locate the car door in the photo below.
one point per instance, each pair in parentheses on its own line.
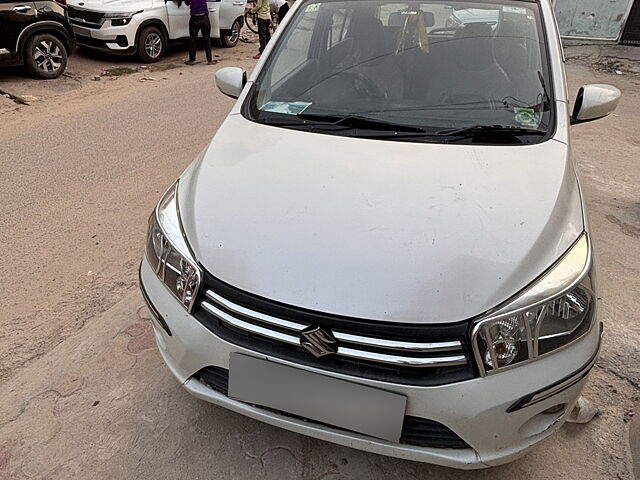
(214,17)
(178,14)
(14,17)
(229,11)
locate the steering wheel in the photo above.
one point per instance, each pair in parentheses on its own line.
(363,85)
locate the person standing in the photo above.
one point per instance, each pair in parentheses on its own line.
(263,11)
(199,22)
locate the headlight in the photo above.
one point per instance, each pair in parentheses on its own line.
(121,14)
(168,252)
(556,310)
(119,19)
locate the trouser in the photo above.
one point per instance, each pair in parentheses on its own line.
(264,33)
(199,23)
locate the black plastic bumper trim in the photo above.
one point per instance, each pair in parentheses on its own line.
(155,314)
(569,381)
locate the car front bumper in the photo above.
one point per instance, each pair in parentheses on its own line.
(476,410)
(119,39)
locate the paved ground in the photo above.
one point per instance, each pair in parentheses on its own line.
(84,392)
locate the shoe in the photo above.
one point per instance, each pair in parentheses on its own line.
(189,62)
(257,56)
(212,62)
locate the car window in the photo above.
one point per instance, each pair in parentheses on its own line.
(297,44)
(436,66)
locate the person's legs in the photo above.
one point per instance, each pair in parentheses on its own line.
(193,37)
(263,33)
(206,33)
(268,32)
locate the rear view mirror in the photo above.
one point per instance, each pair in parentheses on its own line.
(595,101)
(231,80)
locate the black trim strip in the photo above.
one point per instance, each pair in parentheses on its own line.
(573,378)
(154,311)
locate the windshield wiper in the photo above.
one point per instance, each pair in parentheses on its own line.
(359,122)
(491,129)
(547,98)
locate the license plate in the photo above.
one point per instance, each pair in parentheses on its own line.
(84,32)
(343,404)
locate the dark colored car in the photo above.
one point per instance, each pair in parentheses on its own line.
(36,34)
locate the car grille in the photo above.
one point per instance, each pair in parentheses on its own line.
(416,431)
(85,18)
(397,353)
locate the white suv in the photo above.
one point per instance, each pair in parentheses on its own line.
(145,27)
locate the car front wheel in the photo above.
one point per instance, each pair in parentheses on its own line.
(45,56)
(151,45)
(231,40)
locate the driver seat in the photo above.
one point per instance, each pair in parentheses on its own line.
(475,75)
(374,57)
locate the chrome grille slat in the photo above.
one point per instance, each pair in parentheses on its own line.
(397,344)
(400,360)
(232,307)
(249,327)
(372,349)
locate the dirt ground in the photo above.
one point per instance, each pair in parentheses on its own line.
(85,393)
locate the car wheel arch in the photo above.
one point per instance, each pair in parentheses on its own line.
(227,32)
(47,26)
(153,22)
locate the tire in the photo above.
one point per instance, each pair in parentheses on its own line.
(231,40)
(251,19)
(45,56)
(151,45)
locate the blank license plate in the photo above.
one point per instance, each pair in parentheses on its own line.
(85,32)
(336,402)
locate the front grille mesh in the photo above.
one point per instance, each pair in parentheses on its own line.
(416,431)
(397,353)
(85,16)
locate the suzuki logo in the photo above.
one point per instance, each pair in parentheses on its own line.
(318,342)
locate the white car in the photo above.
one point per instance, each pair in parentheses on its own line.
(385,244)
(146,27)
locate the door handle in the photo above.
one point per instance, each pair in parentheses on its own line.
(238,3)
(21,8)
(213,10)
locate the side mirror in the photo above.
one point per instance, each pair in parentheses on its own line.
(231,80)
(595,101)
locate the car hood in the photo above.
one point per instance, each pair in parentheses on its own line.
(390,231)
(120,6)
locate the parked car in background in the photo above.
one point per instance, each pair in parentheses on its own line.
(146,27)
(400,260)
(36,34)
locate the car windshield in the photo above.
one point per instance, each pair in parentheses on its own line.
(416,71)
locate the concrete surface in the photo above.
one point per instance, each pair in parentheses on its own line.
(84,392)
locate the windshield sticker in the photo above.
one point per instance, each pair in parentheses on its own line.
(526,117)
(288,108)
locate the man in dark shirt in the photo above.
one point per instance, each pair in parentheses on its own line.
(199,22)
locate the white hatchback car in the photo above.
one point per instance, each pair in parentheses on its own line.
(385,244)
